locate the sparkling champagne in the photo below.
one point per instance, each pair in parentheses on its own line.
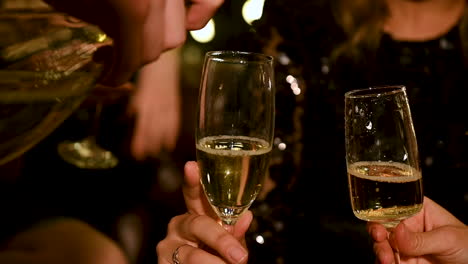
(232,172)
(385,192)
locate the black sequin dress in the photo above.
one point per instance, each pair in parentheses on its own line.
(308,216)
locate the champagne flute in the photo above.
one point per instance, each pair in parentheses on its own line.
(384,175)
(234,132)
(46,72)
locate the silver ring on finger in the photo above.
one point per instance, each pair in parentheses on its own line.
(175,255)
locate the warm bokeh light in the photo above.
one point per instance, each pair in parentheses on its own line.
(205,34)
(252,10)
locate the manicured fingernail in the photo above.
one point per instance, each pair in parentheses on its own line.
(237,254)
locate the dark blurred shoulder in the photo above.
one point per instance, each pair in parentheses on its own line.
(305,27)
(297,19)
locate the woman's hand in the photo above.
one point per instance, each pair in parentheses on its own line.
(432,236)
(197,236)
(157,107)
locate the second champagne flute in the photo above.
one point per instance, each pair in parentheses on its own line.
(382,157)
(234,132)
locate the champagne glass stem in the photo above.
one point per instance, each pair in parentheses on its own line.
(86,153)
(228,227)
(92,135)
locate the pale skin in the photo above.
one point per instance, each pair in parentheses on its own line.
(199,232)
(156,103)
(422,20)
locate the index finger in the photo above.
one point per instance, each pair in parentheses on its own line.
(377,231)
(218,240)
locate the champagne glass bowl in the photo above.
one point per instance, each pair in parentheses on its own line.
(384,176)
(46,71)
(235,127)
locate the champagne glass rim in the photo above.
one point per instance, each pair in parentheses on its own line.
(235,56)
(376,91)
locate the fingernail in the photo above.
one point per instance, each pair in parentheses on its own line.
(237,254)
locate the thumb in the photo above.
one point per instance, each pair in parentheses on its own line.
(419,243)
(192,190)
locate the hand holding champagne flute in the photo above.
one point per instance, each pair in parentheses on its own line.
(234,132)
(382,157)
